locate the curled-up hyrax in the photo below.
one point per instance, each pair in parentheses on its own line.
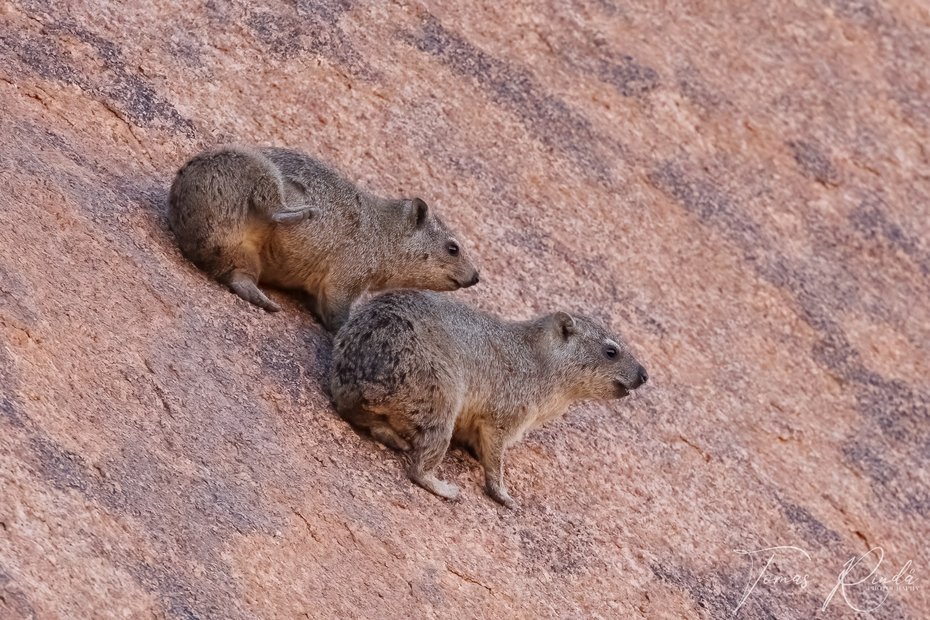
(279,217)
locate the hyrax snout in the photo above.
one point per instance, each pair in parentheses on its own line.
(419,370)
(280,217)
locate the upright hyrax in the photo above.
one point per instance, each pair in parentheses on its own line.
(283,218)
(419,370)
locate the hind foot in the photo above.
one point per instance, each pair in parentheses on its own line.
(387,436)
(244,286)
(502,497)
(436,486)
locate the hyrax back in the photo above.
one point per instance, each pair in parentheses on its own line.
(223,207)
(360,242)
(244,217)
(419,370)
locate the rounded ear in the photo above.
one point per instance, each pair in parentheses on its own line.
(565,323)
(417,210)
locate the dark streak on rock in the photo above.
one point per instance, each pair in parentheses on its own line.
(196,518)
(10,409)
(64,469)
(869,462)
(329,11)
(809,526)
(14,603)
(902,413)
(110,195)
(608,7)
(871,220)
(709,205)
(193,516)
(719,600)
(177,597)
(48,138)
(549,119)
(137,99)
(862,12)
(693,87)
(41,55)
(280,34)
(630,78)
(314,28)
(814,163)
(126,90)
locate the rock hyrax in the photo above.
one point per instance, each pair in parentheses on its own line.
(283,218)
(224,206)
(418,370)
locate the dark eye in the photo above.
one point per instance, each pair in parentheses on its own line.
(611,351)
(453,248)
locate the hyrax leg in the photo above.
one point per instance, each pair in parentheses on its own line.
(242,276)
(429,446)
(333,308)
(243,285)
(491,455)
(389,437)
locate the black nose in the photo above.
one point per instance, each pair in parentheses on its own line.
(474,280)
(641,376)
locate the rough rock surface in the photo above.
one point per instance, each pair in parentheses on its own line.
(742,189)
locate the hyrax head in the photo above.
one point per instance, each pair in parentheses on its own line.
(597,363)
(430,256)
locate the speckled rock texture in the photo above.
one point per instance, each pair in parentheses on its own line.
(741,189)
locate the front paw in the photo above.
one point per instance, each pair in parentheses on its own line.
(447,491)
(502,497)
(436,486)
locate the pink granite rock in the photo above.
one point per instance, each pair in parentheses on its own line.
(742,190)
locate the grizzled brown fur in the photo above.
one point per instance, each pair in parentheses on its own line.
(419,370)
(283,218)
